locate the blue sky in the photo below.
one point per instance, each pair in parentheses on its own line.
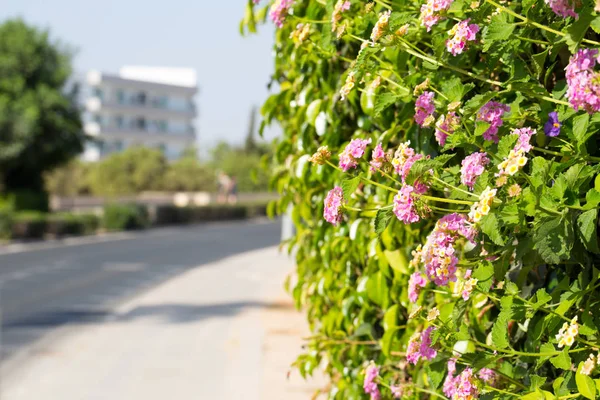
(203,34)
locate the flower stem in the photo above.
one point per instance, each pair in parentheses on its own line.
(443,200)
(533,23)
(454,187)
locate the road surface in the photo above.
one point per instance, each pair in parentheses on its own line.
(44,289)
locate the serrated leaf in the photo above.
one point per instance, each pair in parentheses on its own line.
(349,186)
(506,144)
(489,226)
(577,30)
(541,298)
(484,274)
(497,30)
(382,219)
(585,384)
(435,373)
(562,361)
(592,198)
(595,24)
(587,229)
(454,89)
(580,128)
(554,239)
(500,327)
(383,101)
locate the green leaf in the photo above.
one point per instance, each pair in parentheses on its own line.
(435,373)
(377,289)
(397,260)
(312,111)
(577,30)
(553,239)
(484,274)
(585,384)
(481,127)
(580,128)
(587,229)
(349,186)
(382,219)
(489,226)
(595,25)
(506,144)
(541,298)
(454,89)
(383,101)
(390,318)
(497,30)
(539,61)
(500,327)
(562,361)
(592,197)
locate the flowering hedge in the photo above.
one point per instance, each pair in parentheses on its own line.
(441,160)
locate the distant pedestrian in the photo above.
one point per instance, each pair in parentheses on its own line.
(233,191)
(224,187)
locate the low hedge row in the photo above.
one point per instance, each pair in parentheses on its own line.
(116,217)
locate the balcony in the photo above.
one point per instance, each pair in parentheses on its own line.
(96,104)
(97,130)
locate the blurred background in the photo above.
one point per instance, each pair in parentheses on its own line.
(130,156)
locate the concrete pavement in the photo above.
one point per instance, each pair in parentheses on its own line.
(223,331)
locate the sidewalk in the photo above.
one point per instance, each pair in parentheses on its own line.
(224,330)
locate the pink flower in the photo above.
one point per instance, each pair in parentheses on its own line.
(445,126)
(353,151)
(583,83)
(426,350)
(396,391)
(379,158)
(404,206)
(404,158)
(563,8)
(487,375)
(492,113)
(279,11)
(438,253)
(412,351)
(420,347)
(424,107)
(461,387)
(415,283)
(472,167)
(369,384)
(525,135)
(461,33)
(333,206)
(431,12)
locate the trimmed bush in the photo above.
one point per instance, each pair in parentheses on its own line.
(29,225)
(6,220)
(26,200)
(118,217)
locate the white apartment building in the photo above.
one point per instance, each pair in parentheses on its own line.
(146,106)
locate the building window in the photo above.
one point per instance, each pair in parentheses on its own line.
(162,126)
(120,97)
(119,122)
(98,93)
(140,124)
(141,98)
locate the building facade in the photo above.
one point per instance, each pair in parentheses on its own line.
(151,107)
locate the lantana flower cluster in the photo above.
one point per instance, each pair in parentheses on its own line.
(492,113)
(370,383)
(567,333)
(445,126)
(516,158)
(460,35)
(438,254)
(583,81)
(381,26)
(352,153)
(424,109)
(419,347)
(462,386)
(472,167)
(563,8)
(432,12)
(482,207)
(279,10)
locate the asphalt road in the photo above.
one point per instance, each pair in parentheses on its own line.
(43,289)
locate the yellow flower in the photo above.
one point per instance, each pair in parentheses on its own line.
(433,314)
(588,365)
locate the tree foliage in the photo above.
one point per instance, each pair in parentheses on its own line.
(40,127)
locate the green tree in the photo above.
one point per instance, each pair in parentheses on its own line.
(40,126)
(69,180)
(244,166)
(132,171)
(188,174)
